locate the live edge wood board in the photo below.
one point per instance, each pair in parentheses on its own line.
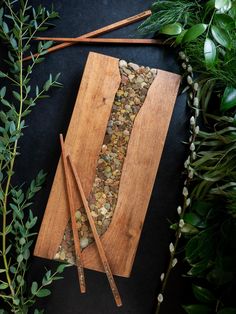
(100,82)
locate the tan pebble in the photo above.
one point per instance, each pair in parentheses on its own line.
(99,223)
(106,222)
(57,256)
(137,101)
(84,242)
(126,132)
(123,63)
(78,225)
(83,219)
(62,255)
(132,117)
(104,148)
(94,214)
(134,66)
(120,93)
(143,84)
(103,211)
(126,70)
(77,215)
(131,77)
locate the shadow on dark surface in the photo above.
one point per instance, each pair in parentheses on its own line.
(40,149)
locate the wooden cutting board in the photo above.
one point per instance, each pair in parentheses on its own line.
(100,82)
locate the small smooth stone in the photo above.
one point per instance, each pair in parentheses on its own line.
(134,66)
(123,63)
(124,79)
(77,215)
(154,71)
(84,242)
(62,255)
(107,206)
(127,107)
(127,71)
(126,132)
(94,214)
(103,211)
(57,256)
(131,77)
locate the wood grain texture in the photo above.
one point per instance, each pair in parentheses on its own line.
(138,175)
(118,41)
(84,138)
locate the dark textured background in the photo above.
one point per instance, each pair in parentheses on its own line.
(40,149)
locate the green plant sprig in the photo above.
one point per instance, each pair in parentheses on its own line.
(19,22)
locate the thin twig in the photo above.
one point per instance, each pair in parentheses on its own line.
(120,41)
(101,31)
(101,251)
(78,254)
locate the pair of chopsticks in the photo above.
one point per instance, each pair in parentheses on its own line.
(87,38)
(79,261)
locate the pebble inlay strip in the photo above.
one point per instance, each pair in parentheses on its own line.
(135,82)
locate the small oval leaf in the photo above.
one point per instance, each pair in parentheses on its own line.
(224,21)
(220,4)
(171,29)
(221,36)
(43,293)
(197,309)
(203,295)
(194,32)
(209,52)
(229,99)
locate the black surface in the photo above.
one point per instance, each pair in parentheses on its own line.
(40,150)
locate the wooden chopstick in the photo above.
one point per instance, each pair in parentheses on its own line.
(79,261)
(127,41)
(100,31)
(96,237)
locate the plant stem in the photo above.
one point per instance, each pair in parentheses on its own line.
(10,171)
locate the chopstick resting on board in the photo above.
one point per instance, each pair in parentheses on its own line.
(127,41)
(101,31)
(78,255)
(96,237)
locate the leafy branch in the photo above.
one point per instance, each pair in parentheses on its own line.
(19,22)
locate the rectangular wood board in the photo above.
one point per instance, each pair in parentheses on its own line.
(100,82)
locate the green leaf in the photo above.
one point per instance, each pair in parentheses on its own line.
(3,92)
(20,258)
(61,268)
(5,28)
(171,29)
(209,52)
(2,74)
(47,45)
(203,295)
(16,95)
(228,310)
(34,287)
(43,293)
(220,4)
(221,36)
(224,21)
(229,99)
(194,32)
(197,309)
(3,286)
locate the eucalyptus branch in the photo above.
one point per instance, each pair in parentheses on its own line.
(16,222)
